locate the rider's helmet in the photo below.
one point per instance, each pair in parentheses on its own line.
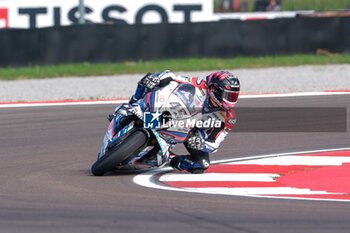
(223,89)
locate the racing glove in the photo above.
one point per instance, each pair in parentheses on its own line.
(196,143)
(150,81)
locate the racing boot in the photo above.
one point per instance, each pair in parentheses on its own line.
(187,163)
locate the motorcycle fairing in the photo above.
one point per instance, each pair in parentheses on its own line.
(111,136)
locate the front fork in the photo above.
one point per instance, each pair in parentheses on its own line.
(164,147)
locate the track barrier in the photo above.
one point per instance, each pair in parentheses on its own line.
(99,43)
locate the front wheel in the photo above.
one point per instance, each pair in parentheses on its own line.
(119,153)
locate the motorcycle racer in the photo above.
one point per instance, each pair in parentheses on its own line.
(221,90)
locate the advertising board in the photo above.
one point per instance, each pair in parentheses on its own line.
(43,13)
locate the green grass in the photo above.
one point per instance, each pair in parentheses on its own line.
(318,5)
(188,64)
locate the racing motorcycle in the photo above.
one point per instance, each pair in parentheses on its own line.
(142,134)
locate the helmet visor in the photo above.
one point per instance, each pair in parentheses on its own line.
(230,97)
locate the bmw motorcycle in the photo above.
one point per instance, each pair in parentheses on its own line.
(141,135)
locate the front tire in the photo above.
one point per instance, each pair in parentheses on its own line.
(120,153)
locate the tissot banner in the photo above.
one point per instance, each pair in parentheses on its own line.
(43,13)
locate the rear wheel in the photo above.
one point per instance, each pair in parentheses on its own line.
(120,153)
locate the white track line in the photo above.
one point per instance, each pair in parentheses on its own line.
(119,101)
(299,160)
(60,103)
(258,191)
(279,154)
(260,177)
(299,94)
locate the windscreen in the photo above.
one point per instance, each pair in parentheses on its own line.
(186,92)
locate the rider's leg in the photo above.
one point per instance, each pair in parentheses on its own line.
(196,162)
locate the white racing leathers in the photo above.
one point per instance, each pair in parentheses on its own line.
(213,127)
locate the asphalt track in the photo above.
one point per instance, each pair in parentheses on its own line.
(46,185)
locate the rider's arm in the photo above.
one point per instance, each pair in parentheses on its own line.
(166,77)
(163,79)
(212,143)
(152,82)
(214,137)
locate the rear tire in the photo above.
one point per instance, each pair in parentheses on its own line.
(120,153)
